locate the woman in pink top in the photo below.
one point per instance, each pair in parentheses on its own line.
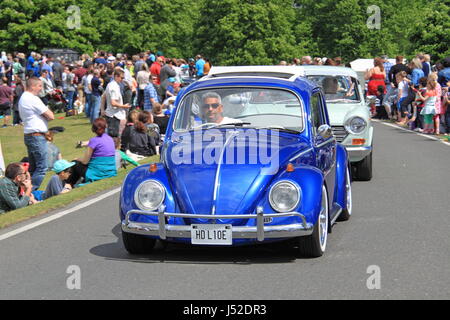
(438,104)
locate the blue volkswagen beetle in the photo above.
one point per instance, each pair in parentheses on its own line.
(249,157)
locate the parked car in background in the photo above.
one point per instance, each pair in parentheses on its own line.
(249,157)
(349,114)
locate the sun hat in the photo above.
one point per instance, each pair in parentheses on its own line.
(61,165)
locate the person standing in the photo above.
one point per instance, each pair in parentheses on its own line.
(115,108)
(68,78)
(6,100)
(199,66)
(376,77)
(18,91)
(35,116)
(97,89)
(150,94)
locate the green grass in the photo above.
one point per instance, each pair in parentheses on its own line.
(77,128)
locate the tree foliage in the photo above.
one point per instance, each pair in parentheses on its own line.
(230,31)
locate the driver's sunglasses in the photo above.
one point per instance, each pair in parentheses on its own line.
(213,105)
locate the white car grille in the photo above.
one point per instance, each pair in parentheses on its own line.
(340,133)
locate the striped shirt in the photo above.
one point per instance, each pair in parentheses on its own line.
(149,93)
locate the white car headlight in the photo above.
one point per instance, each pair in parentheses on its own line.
(355,125)
(149,195)
(284,196)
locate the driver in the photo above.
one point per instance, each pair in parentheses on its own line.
(212,109)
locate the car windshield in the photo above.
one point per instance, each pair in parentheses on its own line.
(338,88)
(250,107)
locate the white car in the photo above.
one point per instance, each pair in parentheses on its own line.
(349,114)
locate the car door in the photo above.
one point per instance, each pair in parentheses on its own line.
(324,144)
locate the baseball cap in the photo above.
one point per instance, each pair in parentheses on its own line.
(61,165)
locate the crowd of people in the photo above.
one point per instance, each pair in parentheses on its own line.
(128,101)
(414,94)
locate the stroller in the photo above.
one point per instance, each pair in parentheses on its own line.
(57,102)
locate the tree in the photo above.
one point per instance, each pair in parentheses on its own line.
(232,32)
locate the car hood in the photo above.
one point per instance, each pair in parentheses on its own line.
(229,171)
(340,112)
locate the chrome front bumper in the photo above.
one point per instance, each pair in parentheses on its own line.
(259,232)
(358,153)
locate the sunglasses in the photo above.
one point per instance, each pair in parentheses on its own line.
(213,105)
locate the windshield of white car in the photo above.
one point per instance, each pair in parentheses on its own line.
(338,89)
(240,107)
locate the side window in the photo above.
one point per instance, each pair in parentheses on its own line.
(316,106)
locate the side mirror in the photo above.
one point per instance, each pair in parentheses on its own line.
(325,131)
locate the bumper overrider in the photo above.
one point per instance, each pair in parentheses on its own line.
(259,232)
(356,152)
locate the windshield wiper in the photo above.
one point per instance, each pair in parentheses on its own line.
(212,125)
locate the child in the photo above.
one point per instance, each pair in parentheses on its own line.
(57,184)
(53,153)
(446,102)
(418,105)
(380,111)
(429,109)
(403,90)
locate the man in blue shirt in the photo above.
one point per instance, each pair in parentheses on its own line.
(444,75)
(199,65)
(387,67)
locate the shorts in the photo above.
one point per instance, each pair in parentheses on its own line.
(5,109)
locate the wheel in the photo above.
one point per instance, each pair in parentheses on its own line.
(314,245)
(136,244)
(364,169)
(347,211)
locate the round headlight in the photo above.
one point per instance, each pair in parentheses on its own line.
(149,195)
(356,125)
(284,196)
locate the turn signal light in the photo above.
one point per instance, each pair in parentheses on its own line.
(153,167)
(358,142)
(290,168)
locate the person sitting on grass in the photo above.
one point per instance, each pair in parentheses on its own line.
(16,178)
(57,184)
(53,152)
(98,161)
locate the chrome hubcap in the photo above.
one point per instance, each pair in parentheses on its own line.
(348,189)
(323,221)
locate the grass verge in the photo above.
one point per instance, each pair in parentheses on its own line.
(76,128)
(20,215)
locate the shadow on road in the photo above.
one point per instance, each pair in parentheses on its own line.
(280,252)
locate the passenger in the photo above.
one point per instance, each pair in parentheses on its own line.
(330,88)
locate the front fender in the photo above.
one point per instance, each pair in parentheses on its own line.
(310,180)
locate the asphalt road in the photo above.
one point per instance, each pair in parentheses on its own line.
(399,230)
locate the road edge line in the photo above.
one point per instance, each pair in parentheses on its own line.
(57,215)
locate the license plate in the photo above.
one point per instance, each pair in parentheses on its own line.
(211,234)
